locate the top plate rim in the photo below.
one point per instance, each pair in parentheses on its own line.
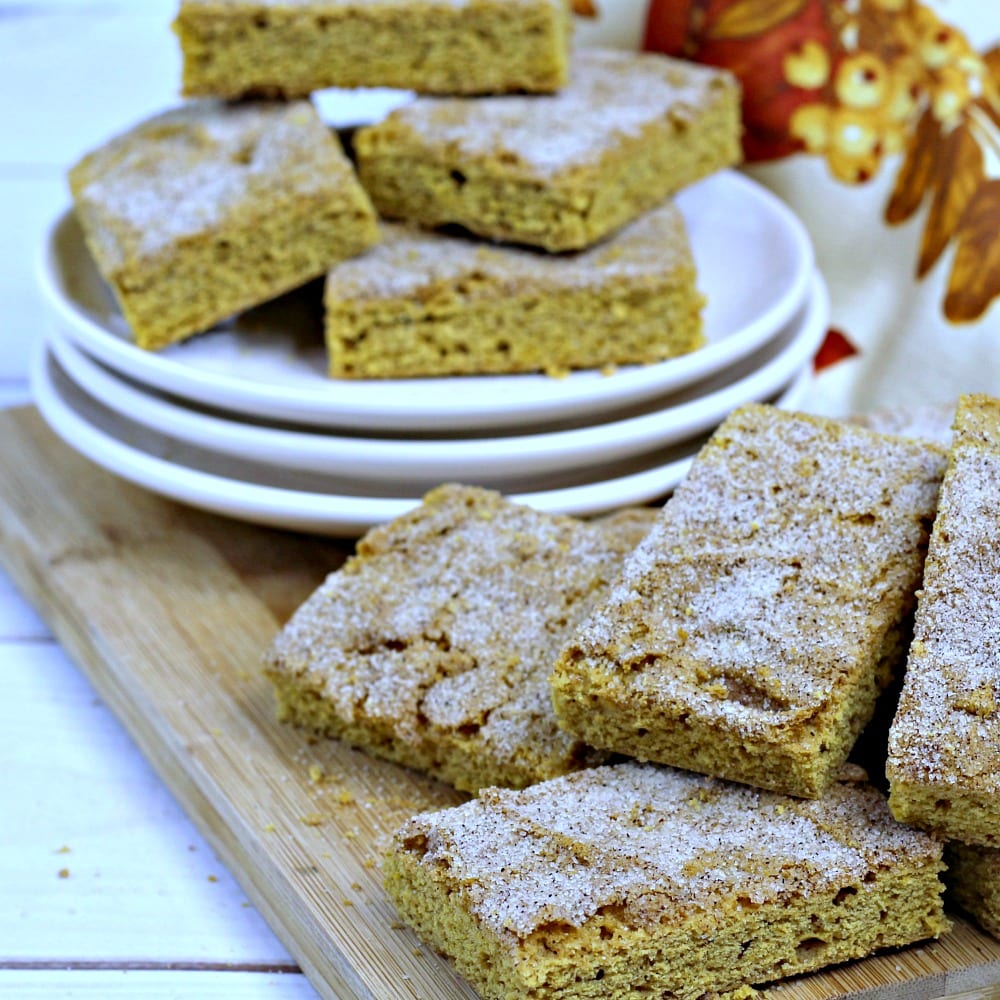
(470,401)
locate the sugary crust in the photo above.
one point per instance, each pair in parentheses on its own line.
(290,48)
(559,171)
(181,210)
(422,303)
(414,263)
(753,629)
(432,645)
(639,878)
(944,742)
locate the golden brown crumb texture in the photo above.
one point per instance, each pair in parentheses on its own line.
(642,879)
(432,646)
(945,740)
(208,209)
(754,627)
(423,303)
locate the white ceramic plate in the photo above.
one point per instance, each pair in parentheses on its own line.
(308,501)
(755,263)
(657,424)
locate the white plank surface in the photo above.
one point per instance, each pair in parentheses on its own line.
(99,864)
(18,619)
(100,984)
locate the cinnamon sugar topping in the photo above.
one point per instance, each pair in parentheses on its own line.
(661,843)
(412,262)
(612,95)
(946,734)
(766,560)
(433,645)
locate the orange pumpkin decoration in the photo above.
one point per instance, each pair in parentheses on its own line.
(757,40)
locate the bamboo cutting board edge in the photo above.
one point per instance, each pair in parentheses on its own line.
(64,522)
(280,869)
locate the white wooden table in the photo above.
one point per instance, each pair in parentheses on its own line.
(106,888)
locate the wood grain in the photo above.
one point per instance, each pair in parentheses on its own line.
(168,611)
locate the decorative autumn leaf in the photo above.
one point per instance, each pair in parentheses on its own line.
(745,18)
(835,347)
(917,174)
(975,274)
(992,60)
(960,173)
(991,111)
(584,8)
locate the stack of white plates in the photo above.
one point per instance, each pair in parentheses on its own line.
(244,420)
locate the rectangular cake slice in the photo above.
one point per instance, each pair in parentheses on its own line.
(208,209)
(638,880)
(422,303)
(944,744)
(433,644)
(561,171)
(277,48)
(753,629)
(973,881)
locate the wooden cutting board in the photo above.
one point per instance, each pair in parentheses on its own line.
(168,611)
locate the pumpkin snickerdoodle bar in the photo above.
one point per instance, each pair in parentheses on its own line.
(944,743)
(208,209)
(433,644)
(557,171)
(290,48)
(423,303)
(637,879)
(752,630)
(973,881)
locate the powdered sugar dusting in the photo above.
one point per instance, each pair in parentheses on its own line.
(660,843)
(611,96)
(450,618)
(773,572)
(410,262)
(948,724)
(194,168)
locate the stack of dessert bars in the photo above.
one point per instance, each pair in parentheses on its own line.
(528,186)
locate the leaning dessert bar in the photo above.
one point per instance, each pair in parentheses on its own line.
(423,303)
(751,632)
(557,172)
(944,745)
(973,881)
(209,209)
(273,48)
(433,644)
(634,879)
